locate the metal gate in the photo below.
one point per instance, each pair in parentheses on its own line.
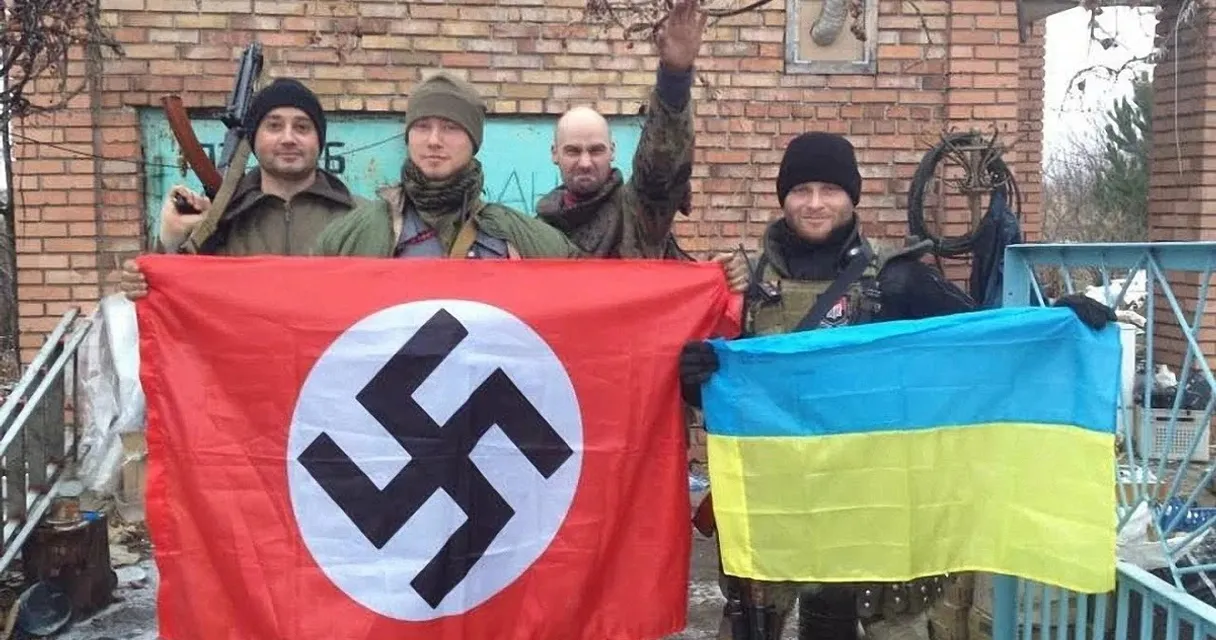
(37,452)
(1165,512)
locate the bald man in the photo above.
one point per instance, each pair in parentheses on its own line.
(604,215)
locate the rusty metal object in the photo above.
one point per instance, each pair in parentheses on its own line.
(970,164)
(65,511)
(978,157)
(75,556)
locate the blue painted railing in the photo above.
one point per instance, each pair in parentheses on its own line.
(1165,466)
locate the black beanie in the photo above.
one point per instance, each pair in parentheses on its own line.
(284,92)
(819,157)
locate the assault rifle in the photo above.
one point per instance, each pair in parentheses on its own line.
(219,181)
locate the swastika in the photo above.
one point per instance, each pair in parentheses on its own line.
(439,456)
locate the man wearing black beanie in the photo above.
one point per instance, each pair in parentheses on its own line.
(278,208)
(818,270)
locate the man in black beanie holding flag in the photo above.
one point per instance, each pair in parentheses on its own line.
(819,270)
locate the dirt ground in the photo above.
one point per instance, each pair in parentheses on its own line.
(133,616)
(704,599)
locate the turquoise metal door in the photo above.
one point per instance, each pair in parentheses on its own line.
(367,151)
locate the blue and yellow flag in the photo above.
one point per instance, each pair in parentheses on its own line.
(886,452)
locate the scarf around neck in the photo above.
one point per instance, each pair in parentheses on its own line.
(443,204)
(592,222)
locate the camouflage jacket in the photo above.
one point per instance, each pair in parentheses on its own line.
(633,219)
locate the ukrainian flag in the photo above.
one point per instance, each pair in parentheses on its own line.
(886,452)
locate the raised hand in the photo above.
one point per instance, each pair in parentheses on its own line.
(679,37)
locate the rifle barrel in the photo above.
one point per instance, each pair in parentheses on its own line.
(231,140)
(248,71)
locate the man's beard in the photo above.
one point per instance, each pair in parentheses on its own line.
(289,175)
(584,188)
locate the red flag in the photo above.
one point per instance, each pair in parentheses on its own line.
(389,449)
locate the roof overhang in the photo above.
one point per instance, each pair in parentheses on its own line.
(1031,11)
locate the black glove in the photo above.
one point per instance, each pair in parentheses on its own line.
(697,362)
(1094,314)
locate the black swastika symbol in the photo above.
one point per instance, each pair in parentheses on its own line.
(439,456)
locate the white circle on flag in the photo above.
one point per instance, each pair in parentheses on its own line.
(380,578)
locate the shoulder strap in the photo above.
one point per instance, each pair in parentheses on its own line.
(756,277)
(464,239)
(862,256)
(470,234)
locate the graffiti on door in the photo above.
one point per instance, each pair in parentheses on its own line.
(367,151)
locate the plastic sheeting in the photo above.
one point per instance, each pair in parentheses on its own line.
(111,399)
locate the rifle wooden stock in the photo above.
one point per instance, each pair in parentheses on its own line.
(192,150)
(232,175)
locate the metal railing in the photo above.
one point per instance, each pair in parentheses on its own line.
(36,453)
(1166,469)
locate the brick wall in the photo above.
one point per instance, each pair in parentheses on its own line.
(1183,168)
(1029,158)
(940,65)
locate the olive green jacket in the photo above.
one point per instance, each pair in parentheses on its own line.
(257,223)
(372,230)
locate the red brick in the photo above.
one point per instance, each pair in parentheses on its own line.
(535,57)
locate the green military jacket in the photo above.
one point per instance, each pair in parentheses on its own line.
(257,223)
(372,231)
(633,219)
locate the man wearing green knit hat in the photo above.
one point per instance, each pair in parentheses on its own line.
(437,209)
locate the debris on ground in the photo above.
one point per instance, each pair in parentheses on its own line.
(129,543)
(31,610)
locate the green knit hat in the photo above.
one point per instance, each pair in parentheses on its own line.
(444,96)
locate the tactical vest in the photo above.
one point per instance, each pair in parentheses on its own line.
(417,240)
(777,305)
(787,301)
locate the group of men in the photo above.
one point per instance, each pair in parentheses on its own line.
(290,206)
(816,269)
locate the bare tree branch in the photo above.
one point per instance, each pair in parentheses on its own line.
(36,41)
(1078,81)
(924,22)
(644,17)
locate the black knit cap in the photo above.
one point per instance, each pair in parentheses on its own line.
(819,157)
(285,92)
